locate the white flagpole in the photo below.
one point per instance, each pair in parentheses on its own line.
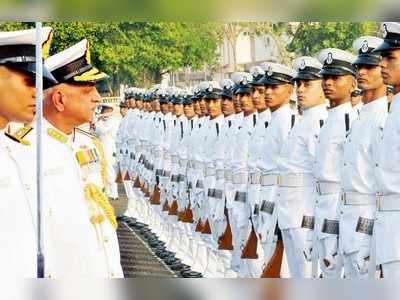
(39,157)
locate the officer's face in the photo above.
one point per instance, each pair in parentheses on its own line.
(189,110)
(247,104)
(165,108)
(258,94)
(228,108)
(139,104)
(123,111)
(178,109)
(76,102)
(369,77)
(197,108)
(215,108)
(338,88)
(156,105)
(309,93)
(17,96)
(390,64)
(203,107)
(277,95)
(132,103)
(171,106)
(236,103)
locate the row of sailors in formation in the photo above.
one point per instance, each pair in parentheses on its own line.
(78,223)
(231,176)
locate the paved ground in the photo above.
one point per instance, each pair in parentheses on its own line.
(137,258)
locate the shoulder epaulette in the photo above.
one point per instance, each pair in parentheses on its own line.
(19,135)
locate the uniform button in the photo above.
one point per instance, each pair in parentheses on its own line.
(105,240)
(112,274)
(27,187)
(376,165)
(344,164)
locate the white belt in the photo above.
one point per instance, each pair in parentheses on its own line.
(228,175)
(220,174)
(255,178)
(325,187)
(157,153)
(210,172)
(182,163)
(198,165)
(240,178)
(354,198)
(389,202)
(296,180)
(269,179)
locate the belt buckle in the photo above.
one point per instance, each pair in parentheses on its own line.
(318,188)
(378,200)
(279,180)
(344,198)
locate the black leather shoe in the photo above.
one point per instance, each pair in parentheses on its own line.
(171,261)
(163,254)
(191,274)
(176,267)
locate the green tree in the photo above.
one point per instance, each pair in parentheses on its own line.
(311,37)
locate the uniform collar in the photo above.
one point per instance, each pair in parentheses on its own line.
(264,116)
(285,109)
(343,108)
(230,118)
(56,134)
(375,105)
(315,110)
(395,105)
(218,119)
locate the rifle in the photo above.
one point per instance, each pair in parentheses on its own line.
(273,267)
(250,249)
(127,177)
(155,198)
(136,184)
(118,179)
(206,228)
(173,210)
(225,240)
(187,215)
(199,226)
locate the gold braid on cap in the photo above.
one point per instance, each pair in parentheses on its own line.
(46,45)
(92,75)
(95,195)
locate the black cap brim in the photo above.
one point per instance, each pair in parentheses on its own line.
(307,76)
(243,90)
(30,69)
(386,46)
(367,60)
(336,71)
(273,81)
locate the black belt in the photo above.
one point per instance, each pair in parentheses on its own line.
(267,207)
(210,193)
(159,172)
(190,185)
(308,222)
(133,155)
(365,225)
(175,178)
(200,184)
(218,194)
(181,177)
(241,197)
(166,173)
(330,226)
